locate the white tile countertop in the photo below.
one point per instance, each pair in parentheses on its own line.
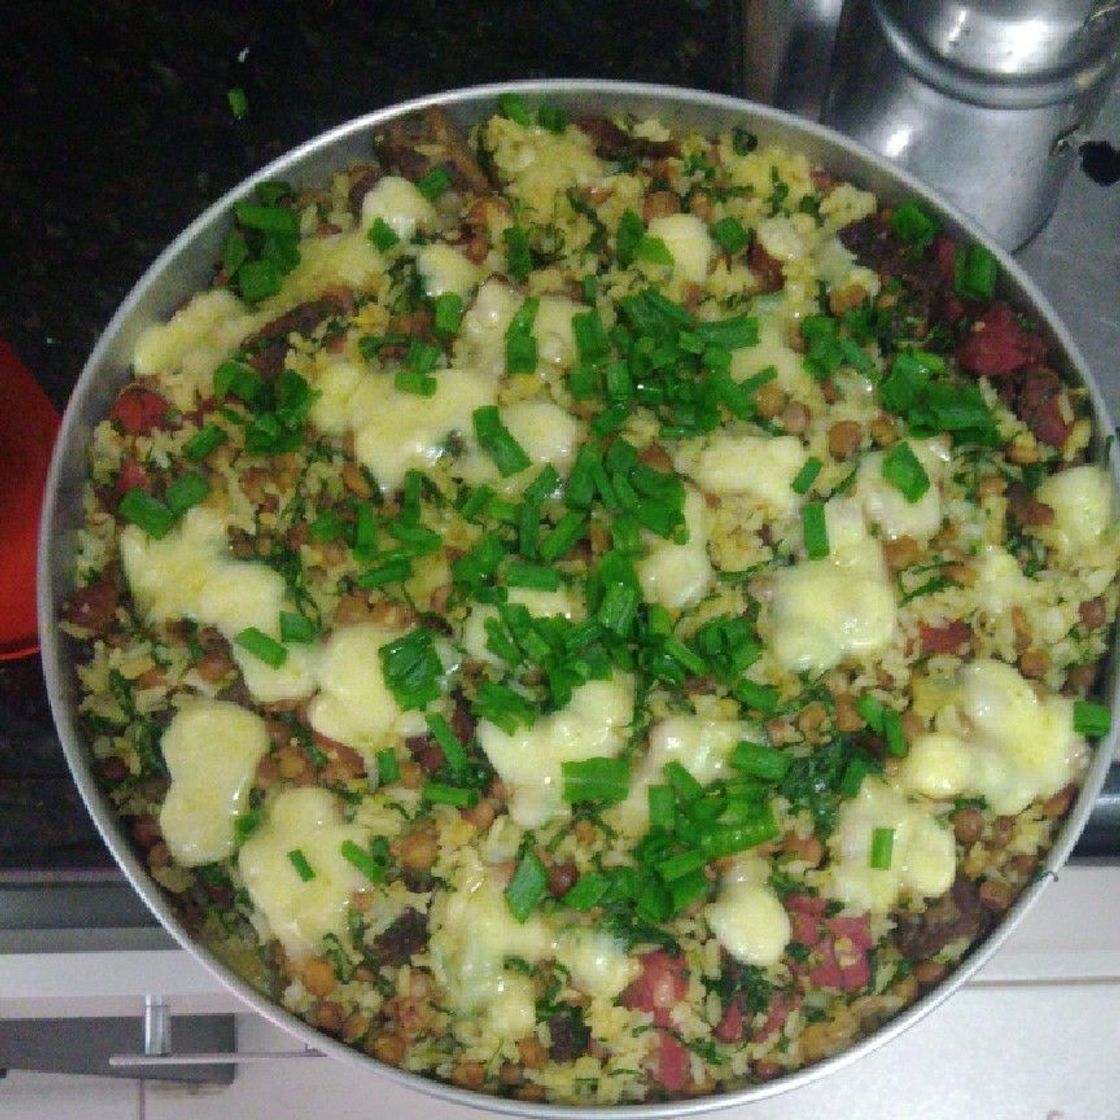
(1035,1036)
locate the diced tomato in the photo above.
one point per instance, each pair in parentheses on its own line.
(945,639)
(138,410)
(672,1063)
(662,984)
(998,345)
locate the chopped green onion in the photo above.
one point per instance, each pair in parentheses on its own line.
(146,512)
(534,576)
(328,526)
(854,773)
(297,627)
(653,250)
(684,863)
(805,477)
(454,754)
(512,106)
(882,848)
(871,711)
(552,118)
(521,344)
(587,892)
(527,887)
(743,141)
(262,647)
(412,669)
(761,761)
(479,565)
(815,530)
(238,102)
(685,786)
(1091,719)
(208,439)
(730,235)
(358,857)
(732,334)
(519,262)
(432,185)
(662,807)
(504,707)
(299,862)
(975,271)
(590,335)
(913,223)
(568,530)
(894,735)
(459,797)
(687,889)
(388,768)
(761,697)
(257,280)
(246,824)
(725,839)
(268,219)
(904,471)
(185,492)
(382,235)
(631,230)
(496,440)
(239,379)
(448,313)
(596,779)
(396,570)
(413,381)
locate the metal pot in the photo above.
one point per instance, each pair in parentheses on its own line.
(187,265)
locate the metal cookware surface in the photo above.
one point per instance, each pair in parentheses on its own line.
(187,265)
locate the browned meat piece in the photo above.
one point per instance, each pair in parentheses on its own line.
(407,935)
(1038,405)
(999,345)
(957,913)
(875,245)
(1025,509)
(768,269)
(612,142)
(269,346)
(570,1035)
(400,144)
(94,608)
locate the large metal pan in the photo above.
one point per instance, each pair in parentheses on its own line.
(186,266)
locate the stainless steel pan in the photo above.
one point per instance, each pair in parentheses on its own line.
(186,266)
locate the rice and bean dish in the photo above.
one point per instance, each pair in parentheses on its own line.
(593,613)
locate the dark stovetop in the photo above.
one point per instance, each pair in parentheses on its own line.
(118,131)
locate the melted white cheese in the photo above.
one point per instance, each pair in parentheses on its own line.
(190,574)
(923,858)
(842,605)
(688,241)
(355,705)
(443,268)
(540,604)
(482,335)
(763,467)
(300,914)
(747,918)
(211,749)
(399,205)
(1081,498)
(342,258)
(678,575)
(996,739)
(884,504)
(187,349)
(530,760)
(473,935)
(772,349)
(596,962)
(552,328)
(1001,583)
(396,431)
(702,746)
(781,239)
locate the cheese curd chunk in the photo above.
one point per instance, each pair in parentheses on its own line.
(747,918)
(443,268)
(396,431)
(482,334)
(399,205)
(301,912)
(552,328)
(185,351)
(688,241)
(923,857)
(840,606)
(474,934)
(996,739)
(702,746)
(679,575)
(189,573)
(597,964)
(762,467)
(355,705)
(1081,498)
(530,761)
(884,504)
(211,749)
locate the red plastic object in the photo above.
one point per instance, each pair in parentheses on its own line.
(28,426)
